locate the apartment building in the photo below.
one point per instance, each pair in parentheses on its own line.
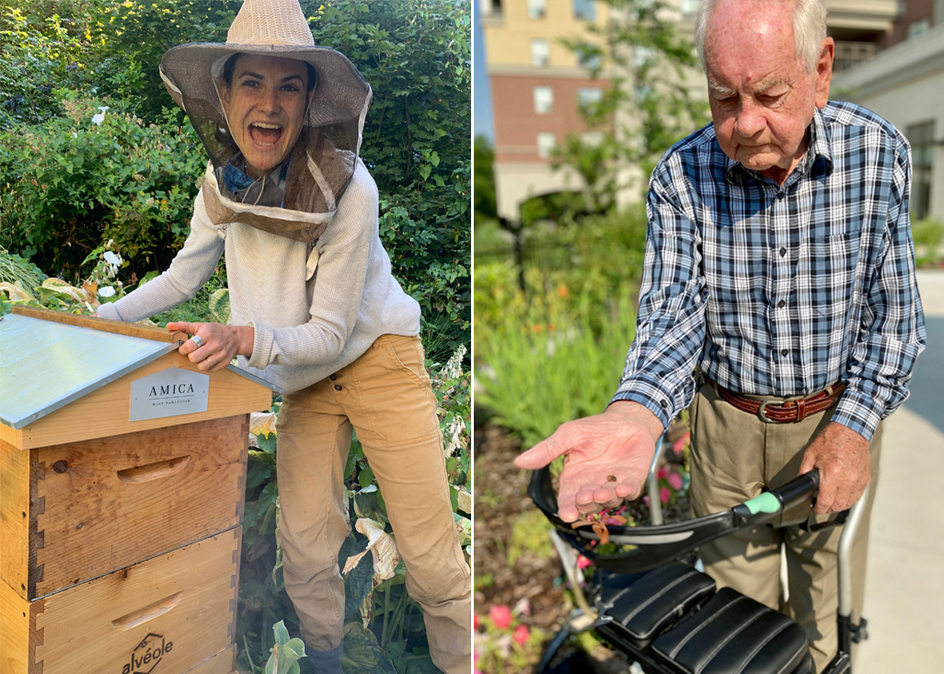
(904,83)
(537,84)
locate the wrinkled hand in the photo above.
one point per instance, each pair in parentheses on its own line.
(619,443)
(221,343)
(842,456)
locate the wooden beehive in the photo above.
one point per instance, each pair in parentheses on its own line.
(122,475)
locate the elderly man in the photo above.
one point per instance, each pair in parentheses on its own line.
(779,264)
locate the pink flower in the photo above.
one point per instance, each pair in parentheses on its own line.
(475,621)
(521,635)
(645,499)
(679,445)
(583,562)
(522,607)
(675,481)
(665,494)
(500,615)
(662,473)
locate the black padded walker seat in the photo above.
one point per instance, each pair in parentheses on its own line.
(733,634)
(638,612)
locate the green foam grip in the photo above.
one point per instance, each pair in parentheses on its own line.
(765,503)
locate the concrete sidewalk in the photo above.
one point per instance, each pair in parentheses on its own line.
(904,601)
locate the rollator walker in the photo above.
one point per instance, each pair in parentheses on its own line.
(669,617)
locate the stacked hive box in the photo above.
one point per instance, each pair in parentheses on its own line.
(122,473)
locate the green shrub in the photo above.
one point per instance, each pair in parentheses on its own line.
(69,184)
(927,234)
(552,359)
(416,55)
(599,258)
(38,57)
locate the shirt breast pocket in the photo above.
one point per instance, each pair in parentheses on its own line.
(832,264)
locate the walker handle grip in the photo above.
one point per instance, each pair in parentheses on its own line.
(788,504)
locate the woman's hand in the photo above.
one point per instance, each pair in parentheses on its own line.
(221,343)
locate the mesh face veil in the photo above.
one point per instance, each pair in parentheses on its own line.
(299,197)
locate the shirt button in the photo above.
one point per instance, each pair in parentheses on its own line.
(782,353)
(781,304)
(783,251)
(332,377)
(337,387)
(781,195)
(664,404)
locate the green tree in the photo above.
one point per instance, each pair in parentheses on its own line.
(646,104)
(39,55)
(416,55)
(485,200)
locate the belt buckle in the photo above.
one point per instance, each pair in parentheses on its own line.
(762,412)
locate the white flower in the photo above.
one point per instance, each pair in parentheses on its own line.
(456,439)
(107,291)
(114,263)
(100,117)
(453,369)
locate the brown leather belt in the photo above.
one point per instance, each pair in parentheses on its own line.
(782,412)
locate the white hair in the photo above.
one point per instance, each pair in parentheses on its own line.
(809,30)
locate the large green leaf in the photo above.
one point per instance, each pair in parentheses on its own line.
(362,653)
(358,585)
(285,653)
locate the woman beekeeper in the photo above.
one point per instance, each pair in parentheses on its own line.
(315,310)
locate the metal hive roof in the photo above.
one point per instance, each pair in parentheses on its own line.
(45,365)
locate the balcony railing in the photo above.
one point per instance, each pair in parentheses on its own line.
(849,54)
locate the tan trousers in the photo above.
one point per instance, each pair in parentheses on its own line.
(734,454)
(385,396)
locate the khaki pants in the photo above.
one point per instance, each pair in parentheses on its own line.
(734,454)
(385,396)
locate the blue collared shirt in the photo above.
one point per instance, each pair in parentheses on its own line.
(786,289)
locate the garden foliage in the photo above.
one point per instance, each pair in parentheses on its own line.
(71,183)
(555,350)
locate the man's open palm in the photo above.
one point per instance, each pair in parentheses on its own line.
(607,458)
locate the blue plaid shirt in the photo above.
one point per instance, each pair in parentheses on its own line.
(781,290)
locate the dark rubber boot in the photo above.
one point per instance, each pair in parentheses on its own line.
(326,662)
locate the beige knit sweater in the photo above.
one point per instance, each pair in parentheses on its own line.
(305,330)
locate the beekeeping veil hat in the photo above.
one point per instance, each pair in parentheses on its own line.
(324,156)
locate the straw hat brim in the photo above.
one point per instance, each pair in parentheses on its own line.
(341,94)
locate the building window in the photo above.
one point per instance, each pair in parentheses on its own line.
(543,100)
(492,7)
(540,53)
(537,9)
(921,137)
(589,96)
(918,28)
(585,10)
(546,144)
(588,56)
